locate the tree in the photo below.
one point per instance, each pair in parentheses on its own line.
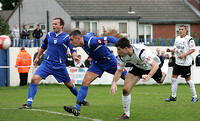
(4,27)
(111,32)
(8,4)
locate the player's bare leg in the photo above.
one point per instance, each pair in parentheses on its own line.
(164,70)
(129,83)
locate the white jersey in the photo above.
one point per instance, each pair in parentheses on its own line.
(183,45)
(142,57)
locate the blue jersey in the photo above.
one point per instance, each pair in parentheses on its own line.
(95,47)
(102,57)
(57,46)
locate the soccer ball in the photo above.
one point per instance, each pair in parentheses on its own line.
(5,42)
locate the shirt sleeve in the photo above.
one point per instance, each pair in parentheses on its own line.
(147,57)
(191,43)
(45,42)
(108,39)
(120,63)
(71,47)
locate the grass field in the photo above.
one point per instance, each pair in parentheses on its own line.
(147,104)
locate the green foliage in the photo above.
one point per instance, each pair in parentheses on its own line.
(4,27)
(147,104)
(8,4)
(111,32)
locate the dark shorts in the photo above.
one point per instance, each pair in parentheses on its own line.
(139,72)
(184,71)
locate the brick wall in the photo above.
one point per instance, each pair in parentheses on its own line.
(164,31)
(195,29)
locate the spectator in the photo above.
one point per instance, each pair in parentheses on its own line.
(37,34)
(172,60)
(69,60)
(88,62)
(15,35)
(26,36)
(158,52)
(40,58)
(162,57)
(78,62)
(23,59)
(197,61)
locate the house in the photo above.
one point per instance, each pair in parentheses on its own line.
(5,14)
(144,19)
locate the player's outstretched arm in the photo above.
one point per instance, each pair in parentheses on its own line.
(154,68)
(116,77)
(187,53)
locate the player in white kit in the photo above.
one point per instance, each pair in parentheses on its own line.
(145,65)
(184,46)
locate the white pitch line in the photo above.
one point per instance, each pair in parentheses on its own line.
(56,113)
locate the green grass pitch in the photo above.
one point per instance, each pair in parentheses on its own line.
(147,104)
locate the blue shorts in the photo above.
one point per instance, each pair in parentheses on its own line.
(109,66)
(59,71)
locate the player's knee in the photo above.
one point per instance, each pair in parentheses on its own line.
(69,85)
(35,80)
(126,91)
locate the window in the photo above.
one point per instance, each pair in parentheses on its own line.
(145,33)
(43,27)
(30,26)
(90,26)
(123,28)
(77,24)
(187,28)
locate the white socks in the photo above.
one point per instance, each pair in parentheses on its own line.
(192,88)
(174,87)
(165,66)
(126,100)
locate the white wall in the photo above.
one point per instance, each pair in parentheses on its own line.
(14,75)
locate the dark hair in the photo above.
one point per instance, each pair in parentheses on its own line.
(75,33)
(183,26)
(22,48)
(122,43)
(61,21)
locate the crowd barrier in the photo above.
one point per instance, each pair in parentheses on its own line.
(77,75)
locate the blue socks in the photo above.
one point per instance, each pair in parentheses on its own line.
(74,90)
(31,93)
(81,95)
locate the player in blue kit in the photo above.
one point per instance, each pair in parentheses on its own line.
(102,60)
(56,43)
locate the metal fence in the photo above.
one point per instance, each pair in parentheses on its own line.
(148,42)
(156,42)
(26,43)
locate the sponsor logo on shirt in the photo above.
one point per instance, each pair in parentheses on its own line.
(148,59)
(120,65)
